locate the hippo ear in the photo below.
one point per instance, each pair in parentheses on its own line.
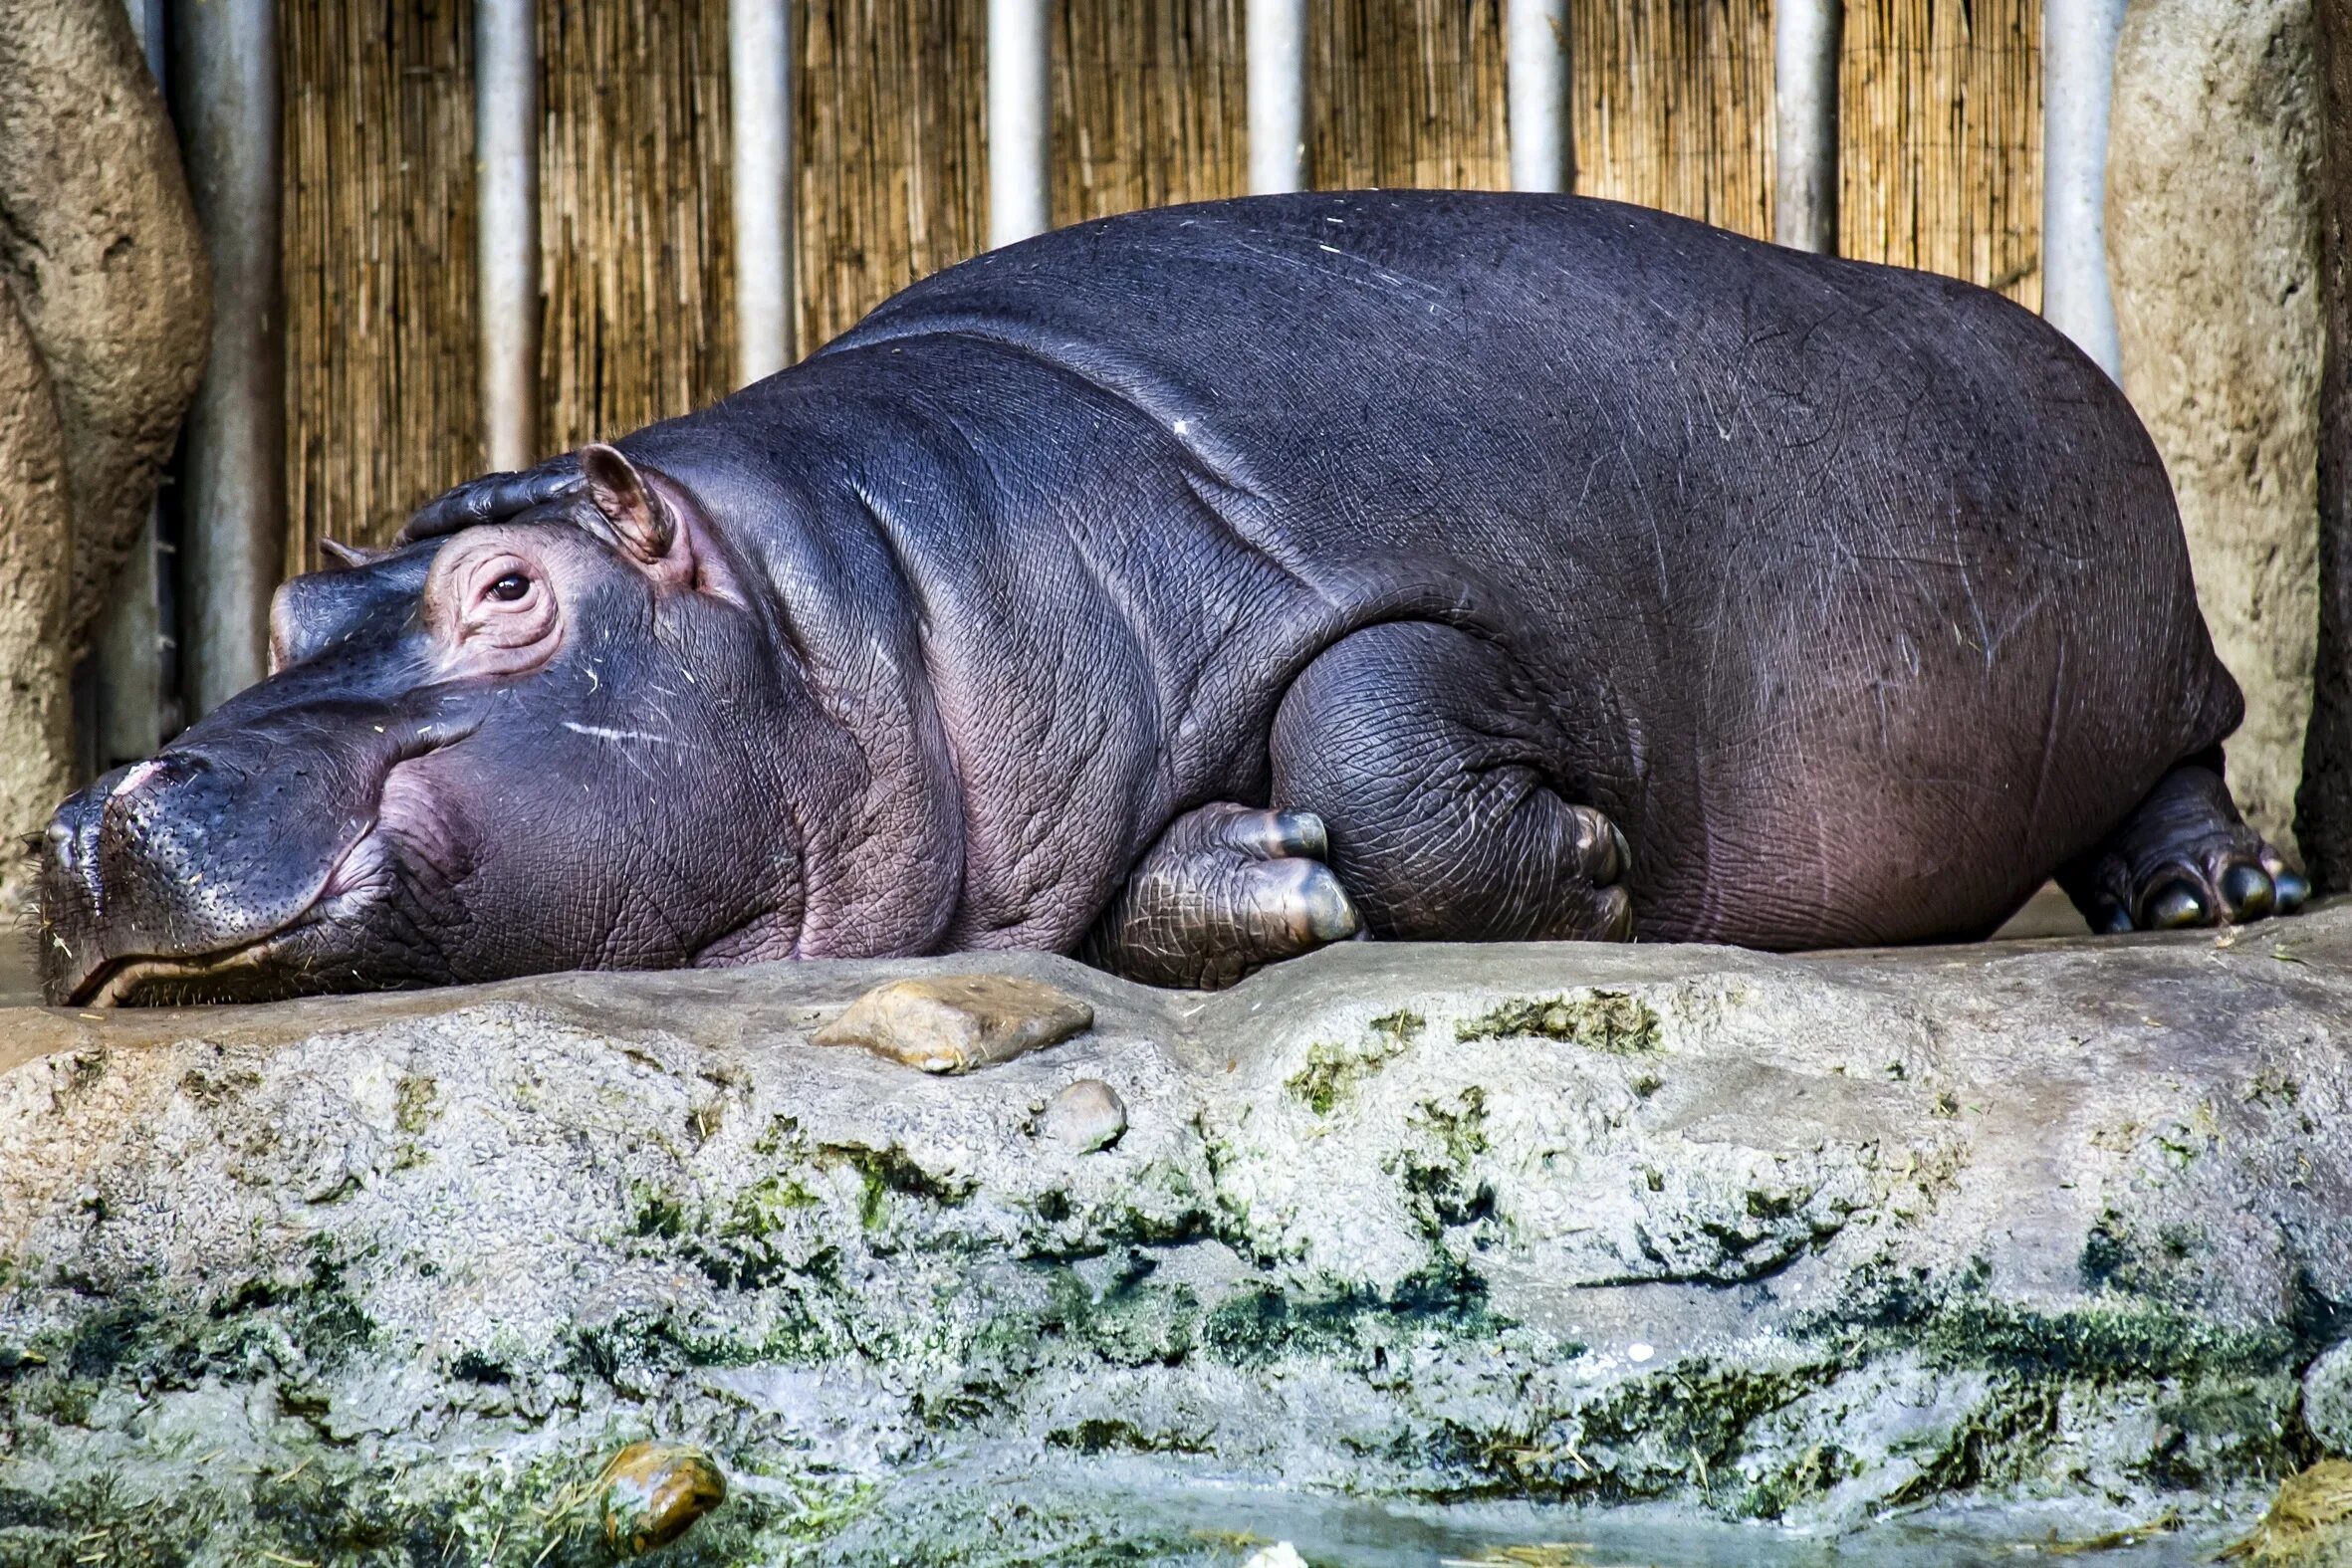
(345,555)
(639,518)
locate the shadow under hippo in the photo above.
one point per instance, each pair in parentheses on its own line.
(1193,588)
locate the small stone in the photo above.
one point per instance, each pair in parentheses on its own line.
(1086,1116)
(2327,1401)
(653,1492)
(1282,1554)
(956,1023)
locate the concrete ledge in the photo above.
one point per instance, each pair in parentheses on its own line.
(1458,1233)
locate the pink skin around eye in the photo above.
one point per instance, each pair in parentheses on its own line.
(493,630)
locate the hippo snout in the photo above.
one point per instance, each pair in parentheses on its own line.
(176,861)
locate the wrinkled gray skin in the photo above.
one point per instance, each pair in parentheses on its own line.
(1192,588)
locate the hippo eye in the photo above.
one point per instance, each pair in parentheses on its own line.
(509,587)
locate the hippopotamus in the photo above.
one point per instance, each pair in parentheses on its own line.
(1193,588)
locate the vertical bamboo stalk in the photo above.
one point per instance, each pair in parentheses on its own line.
(226,58)
(2078,62)
(759,87)
(1535,76)
(506,138)
(1808,36)
(1019,115)
(1275,54)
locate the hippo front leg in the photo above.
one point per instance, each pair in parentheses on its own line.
(1437,772)
(1227,889)
(493,497)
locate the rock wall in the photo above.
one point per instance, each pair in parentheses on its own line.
(2211,236)
(36,549)
(2058,1226)
(108,299)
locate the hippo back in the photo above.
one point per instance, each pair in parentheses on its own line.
(1847,581)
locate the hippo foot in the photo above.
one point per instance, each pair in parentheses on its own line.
(2182,858)
(494,497)
(1227,891)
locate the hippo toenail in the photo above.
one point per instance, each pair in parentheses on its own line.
(2246,892)
(2175,905)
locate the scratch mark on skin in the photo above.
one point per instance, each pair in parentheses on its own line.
(598,732)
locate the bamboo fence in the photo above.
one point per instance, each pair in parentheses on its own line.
(1406,93)
(1941,168)
(1674,106)
(1147,105)
(383,400)
(1941,144)
(634,217)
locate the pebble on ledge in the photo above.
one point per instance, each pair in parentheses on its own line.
(956,1023)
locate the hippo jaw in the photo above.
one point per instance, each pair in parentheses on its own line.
(109,940)
(503,752)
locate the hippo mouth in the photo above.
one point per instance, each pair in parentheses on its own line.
(115,980)
(355,880)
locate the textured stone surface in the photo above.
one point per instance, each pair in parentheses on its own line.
(102,345)
(957,1023)
(1086,1116)
(1469,1232)
(2327,1399)
(100,247)
(2213,238)
(36,661)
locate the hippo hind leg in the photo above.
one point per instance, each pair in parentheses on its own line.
(2182,857)
(1435,769)
(1227,889)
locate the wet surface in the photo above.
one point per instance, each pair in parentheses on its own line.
(1180,1520)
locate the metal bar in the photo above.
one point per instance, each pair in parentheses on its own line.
(506,160)
(2078,83)
(1536,86)
(1274,48)
(1806,39)
(146,25)
(1017,127)
(759,87)
(225,64)
(128,640)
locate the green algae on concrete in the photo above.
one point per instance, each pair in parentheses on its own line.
(1615,1021)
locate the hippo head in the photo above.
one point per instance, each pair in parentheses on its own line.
(537,744)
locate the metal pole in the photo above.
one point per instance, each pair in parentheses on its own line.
(759,86)
(1017,120)
(2078,83)
(225,64)
(506,155)
(1536,84)
(129,639)
(1274,48)
(1807,37)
